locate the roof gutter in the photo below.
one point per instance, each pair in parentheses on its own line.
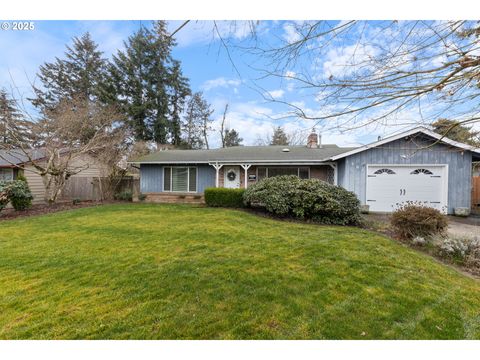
(257,162)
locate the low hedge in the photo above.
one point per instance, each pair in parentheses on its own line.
(311,199)
(413,219)
(221,197)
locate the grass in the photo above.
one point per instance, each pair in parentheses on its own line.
(144,271)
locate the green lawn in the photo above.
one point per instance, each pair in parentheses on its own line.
(144,271)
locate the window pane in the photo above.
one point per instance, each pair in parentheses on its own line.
(192,186)
(262,173)
(179,179)
(282,171)
(166,179)
(6,174)
(303,173)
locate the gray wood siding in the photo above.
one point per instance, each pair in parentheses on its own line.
(151,178)
(206,177)
(352,170)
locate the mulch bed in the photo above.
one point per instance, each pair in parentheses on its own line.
(41,209)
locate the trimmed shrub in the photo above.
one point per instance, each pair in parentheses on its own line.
(142,197)
(413,219)
(221,197)
(20,195)
(125,195)
(4,199)
(76,201)
(17,193)
(305,199)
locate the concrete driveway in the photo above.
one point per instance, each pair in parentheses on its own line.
(464,226)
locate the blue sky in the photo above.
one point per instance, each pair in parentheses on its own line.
(204,62)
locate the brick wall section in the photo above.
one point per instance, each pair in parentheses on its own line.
(319,172)
(173,198)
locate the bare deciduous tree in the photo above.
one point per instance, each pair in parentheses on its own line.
(222,125)
(362,73)
(67,134)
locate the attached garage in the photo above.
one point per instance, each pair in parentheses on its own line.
(390,185)
(417,165)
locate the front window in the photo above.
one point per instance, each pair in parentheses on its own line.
(6,174)
(180,179)
(301,172)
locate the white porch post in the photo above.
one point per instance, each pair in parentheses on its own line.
(217,167)
(245,168)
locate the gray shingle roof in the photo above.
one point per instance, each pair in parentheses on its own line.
(245,154)
(17,157)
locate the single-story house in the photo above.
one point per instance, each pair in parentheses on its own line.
(415,165)
(15,162)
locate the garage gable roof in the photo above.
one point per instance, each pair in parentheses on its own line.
(420,129)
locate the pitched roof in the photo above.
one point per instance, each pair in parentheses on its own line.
(420,129)
(251,154)
(14,157)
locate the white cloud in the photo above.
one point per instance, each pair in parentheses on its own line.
(344,60)
(203,32)
(220,82)
(108,35)
(253,121)
(275,94)
(290,34)
(290,74)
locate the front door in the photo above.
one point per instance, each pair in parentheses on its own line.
(231,177)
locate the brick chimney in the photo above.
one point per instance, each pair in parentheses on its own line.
(312,140)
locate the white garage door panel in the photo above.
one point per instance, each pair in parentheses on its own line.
(390,185)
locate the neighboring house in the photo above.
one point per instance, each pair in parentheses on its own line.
(80,185)
(416,165)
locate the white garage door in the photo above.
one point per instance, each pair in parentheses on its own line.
(389,185)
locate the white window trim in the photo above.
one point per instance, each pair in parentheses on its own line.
(11,174)
(188,179)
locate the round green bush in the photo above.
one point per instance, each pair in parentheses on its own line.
(19,195)
(305,199)
(412,219)
(126,195)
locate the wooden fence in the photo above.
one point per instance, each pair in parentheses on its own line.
(82,188)
(96,189)
(476,194)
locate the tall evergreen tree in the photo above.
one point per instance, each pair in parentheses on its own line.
(14,130)
(179,90)
(80,74)
(279,136)
(197,122)
(232,138)
(149,84)
(456,131)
